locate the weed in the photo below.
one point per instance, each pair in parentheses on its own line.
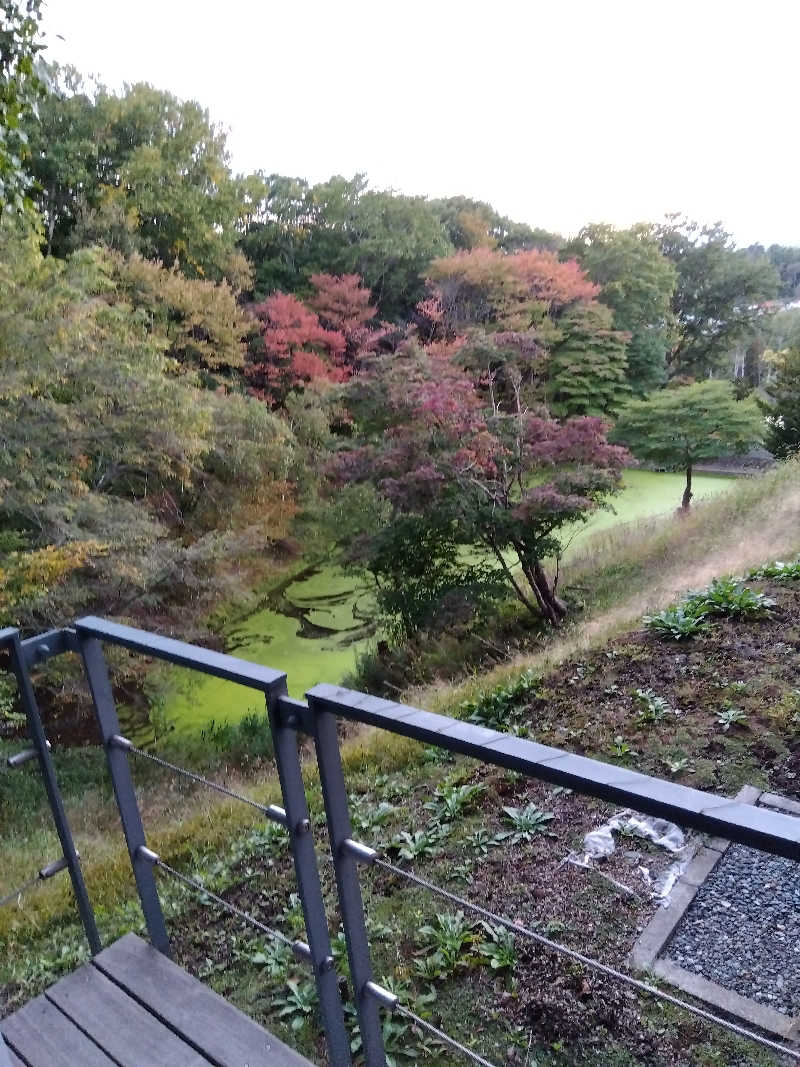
(446,941)
(496,709)
(498,948)
(481,841)
(652,708)
(421,843)
(451,801)
(677,623)
(730,717)
(297,1002)
(675,766)
(620,748)
(367,816)
(275,957)
(728,596)
(527,822)
(778,571)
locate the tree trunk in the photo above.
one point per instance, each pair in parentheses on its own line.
(687,493)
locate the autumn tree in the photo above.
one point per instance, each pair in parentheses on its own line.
(506,479)
(296,348)
(344,305)
(681,427)
(637,282)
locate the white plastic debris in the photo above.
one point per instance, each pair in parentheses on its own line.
(599,843)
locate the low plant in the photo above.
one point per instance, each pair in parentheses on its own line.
(410,846)
(498,948)
(274,956)
(620,748)
(452,801)
(480,841)
(652,708)
(448,939)
(677,623)
(731,717)
(728,596)
(778,571)
(499,708)
(527,822)
(297,1002)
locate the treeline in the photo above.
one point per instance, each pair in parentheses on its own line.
(196,364)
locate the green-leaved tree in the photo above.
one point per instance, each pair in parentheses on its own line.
(678,428)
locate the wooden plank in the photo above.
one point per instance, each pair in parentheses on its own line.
(130,1035)
(228,1037)
(42,1036)
(14,1059)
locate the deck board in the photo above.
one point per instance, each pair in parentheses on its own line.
(42,1035)
(121,1027)
(132,1007)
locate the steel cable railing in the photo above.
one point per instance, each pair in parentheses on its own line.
(271,811)
(299,948)
(440,1035)
(611,972)
(42,875)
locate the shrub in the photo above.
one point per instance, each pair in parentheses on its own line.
(677,623)
(778,571)
(498,708)
(728,596)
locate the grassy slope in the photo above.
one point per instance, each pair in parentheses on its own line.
(727,534)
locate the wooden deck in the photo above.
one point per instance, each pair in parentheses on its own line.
(132,1007)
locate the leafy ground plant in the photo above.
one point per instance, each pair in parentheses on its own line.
(728,596)
(296,1002)
(499,708)
(731,717)
(447,941)
(410,846)
(527,822)
(652,708)
(498,948)
(677,623)
(451,801)
(778,571)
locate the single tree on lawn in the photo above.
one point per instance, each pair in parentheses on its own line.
(678,428)
(783,406)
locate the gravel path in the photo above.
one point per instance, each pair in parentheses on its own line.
(742,930)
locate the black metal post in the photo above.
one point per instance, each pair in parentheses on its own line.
(10,638)
(124,791)
(284,723)
(334,792)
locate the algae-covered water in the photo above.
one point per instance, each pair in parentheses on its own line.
(316,623)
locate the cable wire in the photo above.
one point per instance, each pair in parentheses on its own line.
(192,776)
(10,897)
(442,1036)
(587,961)
(225,904)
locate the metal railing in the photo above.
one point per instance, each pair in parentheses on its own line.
(318,719)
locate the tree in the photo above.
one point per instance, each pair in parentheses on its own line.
(473,224)
(637,282)
(719,294)
(588,366)
(506,479)
(344,305)
(678,428)
(141,171)
(296,349)
(343,227)
(20,88)
(782,407)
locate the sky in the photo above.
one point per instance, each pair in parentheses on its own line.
(558,113)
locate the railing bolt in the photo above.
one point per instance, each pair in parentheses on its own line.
(42,652)
(327,964)
(303,826)
(144,853)
(291,720)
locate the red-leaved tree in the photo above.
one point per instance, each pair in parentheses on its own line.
(508,480)
(344,305)
(296,348)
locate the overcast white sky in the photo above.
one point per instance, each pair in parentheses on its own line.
(558,112)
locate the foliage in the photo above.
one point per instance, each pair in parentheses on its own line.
(728,596)
(474,224)
(731,717)
(420,843)
(637,282)
(587,373)
(782,407)
(498,947)
(527,822)
(500,707)
(142,171)
(652,708)
(778,571)
(448,938)
(296,349)
(450,802)
(680,427)
(506,478)
(719,293)
(20,89)
(678,623)
(297,1002)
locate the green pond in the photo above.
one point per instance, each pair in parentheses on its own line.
(316,624)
